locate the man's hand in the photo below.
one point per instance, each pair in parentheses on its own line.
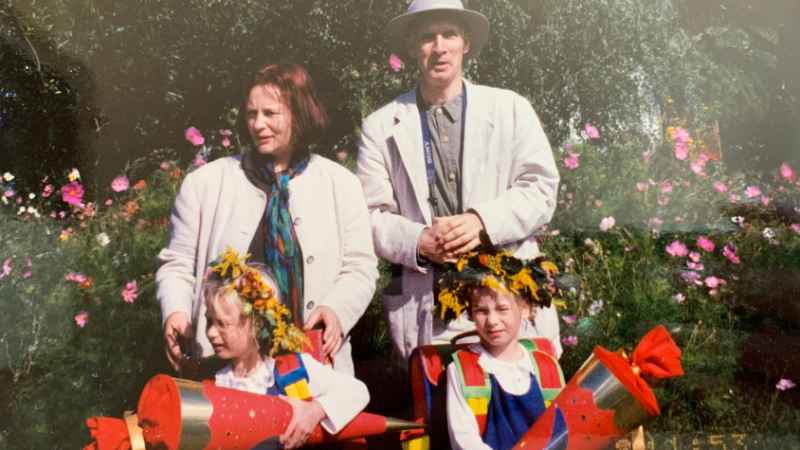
(305,417)
(332,336)
(177,323)
(431,248)
(459,234)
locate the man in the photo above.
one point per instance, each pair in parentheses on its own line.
(475,161)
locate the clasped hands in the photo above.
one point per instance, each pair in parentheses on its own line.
(449,237)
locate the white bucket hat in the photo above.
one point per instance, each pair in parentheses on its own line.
(475,22)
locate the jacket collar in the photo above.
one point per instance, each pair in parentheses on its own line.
(407,134)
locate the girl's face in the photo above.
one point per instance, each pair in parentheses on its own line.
(497,317)
(231,335)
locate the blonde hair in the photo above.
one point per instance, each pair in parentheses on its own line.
(226,302)
(477,290)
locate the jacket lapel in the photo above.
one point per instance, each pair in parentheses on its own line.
(478,129)
(407,135)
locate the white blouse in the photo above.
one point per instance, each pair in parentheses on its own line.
(341,396)
(513,377)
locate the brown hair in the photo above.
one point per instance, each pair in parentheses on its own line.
(309,121)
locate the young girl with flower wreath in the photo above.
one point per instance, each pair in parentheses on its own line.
(498,387)
(247,324)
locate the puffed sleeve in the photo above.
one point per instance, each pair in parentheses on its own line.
(175,279)
(461,422)
(341,396)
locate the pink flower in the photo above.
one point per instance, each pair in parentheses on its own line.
(655,222)
(795,227)
(569,263)
(6,269)
(606,223)
(733,198)
(678,219)
(570,341)
(687,183)
(646,157)
(121,182)
(109,202)
(720,186)
(663,201)
(652,183)
(165,165)
(666,187)
(395,63)
(681,150)
(702,159)
(199,162)
(225,132)
(677,249)
(571,161)
(341,155)
(568,148)
(679,298)
(785,384)
(8,193)
(47,190)
(765,200)
(598,203)
(129,292)
(786,171)
(226,142)
(752,191)
(705,244)
(680,135)
(713,282)
(691,277)
(591,131)
(82,318)
(53,214)
(641,186)
(694,266)
(569,319)
(729,251)
(193,135)
(72,193)
(694,256)
(697,168)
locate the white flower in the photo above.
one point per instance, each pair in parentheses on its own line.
(21,210)
(103,239)
(595,307)
(737,219)
(768,233)
(31,196)
(74,175)
(8,177)
(607,223)
(4,200)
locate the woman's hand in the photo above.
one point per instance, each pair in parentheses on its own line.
(332,336)
(305,417)
(177,324)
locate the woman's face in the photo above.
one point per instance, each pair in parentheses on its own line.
(230,334)
(270,123)
(497,317)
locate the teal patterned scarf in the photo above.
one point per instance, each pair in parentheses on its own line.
(284,256)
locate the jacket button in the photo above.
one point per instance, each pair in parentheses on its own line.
(310,260)
(298,221)
(310,305)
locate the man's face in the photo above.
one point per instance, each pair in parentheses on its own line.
(439,47)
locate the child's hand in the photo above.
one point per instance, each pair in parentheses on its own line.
(305,417)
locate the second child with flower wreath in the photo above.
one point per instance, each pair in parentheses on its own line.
(498,387)
(248,325)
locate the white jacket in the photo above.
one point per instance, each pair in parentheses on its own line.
(509,178)
(217,206)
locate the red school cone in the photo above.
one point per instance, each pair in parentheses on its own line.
(607,397)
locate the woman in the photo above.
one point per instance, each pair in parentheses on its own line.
(301,215)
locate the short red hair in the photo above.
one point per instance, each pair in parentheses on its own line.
(309,121)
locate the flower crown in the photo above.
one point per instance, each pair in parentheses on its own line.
(259,300)
(501,271)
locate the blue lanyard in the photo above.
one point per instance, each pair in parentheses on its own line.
(428,148)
